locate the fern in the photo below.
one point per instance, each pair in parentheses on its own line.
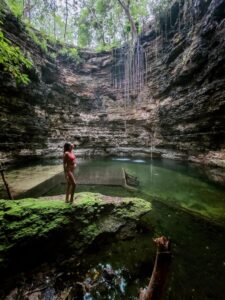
(16,7)
(13,60)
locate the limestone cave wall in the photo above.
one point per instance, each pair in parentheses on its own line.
(186,82)
(180,114)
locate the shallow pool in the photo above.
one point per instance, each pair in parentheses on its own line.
(188,207)
(184,185)
(192,187)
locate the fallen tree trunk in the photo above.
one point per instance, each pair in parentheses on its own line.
(156,287)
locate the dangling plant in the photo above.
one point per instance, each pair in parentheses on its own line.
(13,61)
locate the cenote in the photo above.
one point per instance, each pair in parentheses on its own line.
(133,92)
(187,207)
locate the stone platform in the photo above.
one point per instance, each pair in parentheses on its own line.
(36,182)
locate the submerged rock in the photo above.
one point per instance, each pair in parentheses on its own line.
(38,230)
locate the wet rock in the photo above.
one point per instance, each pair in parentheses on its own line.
(108,274)
(102,281)
(33,231)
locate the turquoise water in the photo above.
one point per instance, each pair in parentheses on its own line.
(177,184)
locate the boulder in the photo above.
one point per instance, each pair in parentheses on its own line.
(37,230)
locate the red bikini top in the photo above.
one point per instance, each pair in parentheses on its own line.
(71,156)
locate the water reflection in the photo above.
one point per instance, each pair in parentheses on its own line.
(138,161)
(121,159)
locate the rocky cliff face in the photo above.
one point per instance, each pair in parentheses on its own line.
(186,82)
(181,113)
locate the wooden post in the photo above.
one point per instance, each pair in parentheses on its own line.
(156,286)
(5,182)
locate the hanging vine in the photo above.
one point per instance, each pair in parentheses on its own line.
(130,65)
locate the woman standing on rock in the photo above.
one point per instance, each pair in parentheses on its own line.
(69,164)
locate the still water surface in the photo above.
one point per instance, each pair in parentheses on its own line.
(184,185)
(188,207)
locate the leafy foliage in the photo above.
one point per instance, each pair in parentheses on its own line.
(39,39)
(16,7)
(84,35)
(71,53)
(88,23)
(13,61)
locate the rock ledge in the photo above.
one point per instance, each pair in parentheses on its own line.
(34,230)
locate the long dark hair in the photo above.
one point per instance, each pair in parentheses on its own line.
(67,146)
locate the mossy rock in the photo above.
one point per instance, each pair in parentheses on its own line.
(29,226)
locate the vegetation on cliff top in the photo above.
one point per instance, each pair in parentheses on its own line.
(99,24)
(85,23)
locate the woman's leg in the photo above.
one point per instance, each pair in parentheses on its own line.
(72,185)
(68,191)
(68,186)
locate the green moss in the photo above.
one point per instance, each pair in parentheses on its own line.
(91,231)
(27,220)
(100,216)
(88,199)
(93,203)
(30,217)
(113,191)
(137,207)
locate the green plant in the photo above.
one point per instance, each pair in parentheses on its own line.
(43,45)
(13,60)
(107,47)
(70,53)
(37,38)
(53,55)
(51,39)
(16,6)
(73,53)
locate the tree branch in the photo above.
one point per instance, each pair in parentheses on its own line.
(126,8)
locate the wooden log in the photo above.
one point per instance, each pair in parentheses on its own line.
(5,183)
(156,287)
